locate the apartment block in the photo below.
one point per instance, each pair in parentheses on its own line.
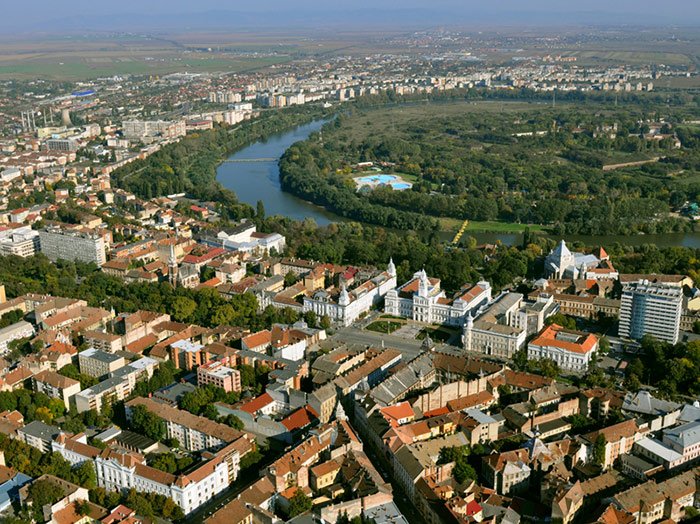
(651,309)
(58,243)
(219,375)
(54,385)
(97,363)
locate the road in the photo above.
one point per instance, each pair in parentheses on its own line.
(351,335)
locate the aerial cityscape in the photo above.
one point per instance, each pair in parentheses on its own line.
(378,263)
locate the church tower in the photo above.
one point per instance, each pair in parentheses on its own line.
(391,268)
(172,267)
(344,298)
(468,327)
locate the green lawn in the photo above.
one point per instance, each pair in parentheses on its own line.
(384,326)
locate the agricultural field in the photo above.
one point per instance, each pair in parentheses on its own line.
(73,59)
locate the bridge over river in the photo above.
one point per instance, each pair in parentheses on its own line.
(246,160)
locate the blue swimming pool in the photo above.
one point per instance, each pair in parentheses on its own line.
(376,179)
(401,185)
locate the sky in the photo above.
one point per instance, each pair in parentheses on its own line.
(69,15)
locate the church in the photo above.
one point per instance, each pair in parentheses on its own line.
(561,263)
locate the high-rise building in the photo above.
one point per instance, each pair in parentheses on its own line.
(58,243)
(649,308)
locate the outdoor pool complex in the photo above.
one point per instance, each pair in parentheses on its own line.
(372,181)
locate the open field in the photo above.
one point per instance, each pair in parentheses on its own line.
(598,57)
(77,58)
(391,118)
(85,68)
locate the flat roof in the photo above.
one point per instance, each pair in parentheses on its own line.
(659,449)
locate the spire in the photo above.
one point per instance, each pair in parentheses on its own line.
(172,266)
(340,412)
(423,284)
(344,298)
(391,269)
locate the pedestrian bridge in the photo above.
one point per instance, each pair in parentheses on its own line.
(247,160)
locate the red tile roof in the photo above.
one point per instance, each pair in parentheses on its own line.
(549,337)
(257,403)
(300,419)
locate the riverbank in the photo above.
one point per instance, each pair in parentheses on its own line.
(190,165)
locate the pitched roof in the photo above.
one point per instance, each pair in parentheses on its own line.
(558,337)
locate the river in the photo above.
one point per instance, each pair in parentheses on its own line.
(259,180)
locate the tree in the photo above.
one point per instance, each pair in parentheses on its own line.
(147,423)
(463,471)
(562,320)
(82,507)
(290,279)
(598,450)
(311,319)
(233,421)
(325,322)
(183,308)
(210,412)
(85,476)
(299,503)
(43,492)
(247,375)
(260,210)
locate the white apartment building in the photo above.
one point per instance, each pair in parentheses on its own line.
(57,243)
(651,309)
(136,129)
(117,387)
(98,363)
(22,241)
(421,299)
(15,331)
(194,433)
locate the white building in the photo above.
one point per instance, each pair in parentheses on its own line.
(117,387)
(97,363)
(138,129)
(421,299)
(571,350)
(55,385)
(347,306)
(562,263)
(494,332)
(57,243)
(651,309)
(15,331)
(22,241)
(246,239)
(121,471)
(193,433)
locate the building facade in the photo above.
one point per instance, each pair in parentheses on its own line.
(421,299)
(57,243)
(651,309)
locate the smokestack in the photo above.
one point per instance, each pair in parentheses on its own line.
(65,118)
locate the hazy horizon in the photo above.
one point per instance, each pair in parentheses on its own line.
(85,15)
